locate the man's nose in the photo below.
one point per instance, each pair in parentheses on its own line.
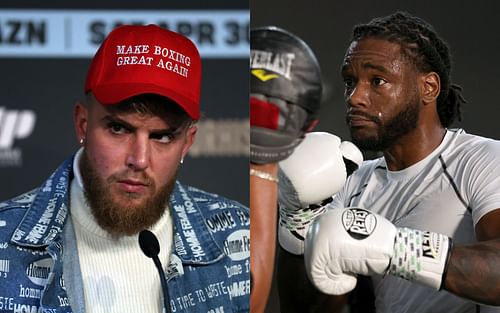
(358,96)
(139,153)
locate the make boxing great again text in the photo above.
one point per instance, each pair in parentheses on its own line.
(158,56)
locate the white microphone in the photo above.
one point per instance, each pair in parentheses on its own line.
(151,248)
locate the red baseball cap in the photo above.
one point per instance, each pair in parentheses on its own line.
(136,59)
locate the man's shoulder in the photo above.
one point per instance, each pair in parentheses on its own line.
(205,199)
(49,202)
(58,183)
(20,202)
(219,213)
(471,146)
(12,212)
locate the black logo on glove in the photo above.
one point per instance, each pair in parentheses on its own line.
(359,223)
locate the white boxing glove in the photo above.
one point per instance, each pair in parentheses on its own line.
(344,242)
(308,179)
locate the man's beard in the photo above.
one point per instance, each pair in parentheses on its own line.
(391,131)
(119,219)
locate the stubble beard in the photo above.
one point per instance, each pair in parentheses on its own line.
(122,219)
(391,131)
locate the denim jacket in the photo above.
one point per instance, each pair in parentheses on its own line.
(209,268)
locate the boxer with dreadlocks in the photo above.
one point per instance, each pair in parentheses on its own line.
(423,221)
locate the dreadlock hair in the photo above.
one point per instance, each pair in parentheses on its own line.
(425,49)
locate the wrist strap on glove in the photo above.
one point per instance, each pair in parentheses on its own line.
(420,256)
(297,220)
(294,223)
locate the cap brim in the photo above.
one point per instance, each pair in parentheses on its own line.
(115,93)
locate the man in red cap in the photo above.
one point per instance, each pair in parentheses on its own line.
(73,245)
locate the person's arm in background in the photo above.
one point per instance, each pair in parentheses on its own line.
(285,95)
(263,217)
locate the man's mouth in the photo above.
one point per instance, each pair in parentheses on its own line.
(355,120)
(130,185)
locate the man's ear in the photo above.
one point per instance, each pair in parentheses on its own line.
(80,118)
(190,136)
(430,87)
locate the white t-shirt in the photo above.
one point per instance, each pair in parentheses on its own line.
(447,192)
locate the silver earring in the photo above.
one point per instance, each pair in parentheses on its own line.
(182,160)
(81,141)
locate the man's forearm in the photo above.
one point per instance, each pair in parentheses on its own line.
(263,220)
(474,272)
